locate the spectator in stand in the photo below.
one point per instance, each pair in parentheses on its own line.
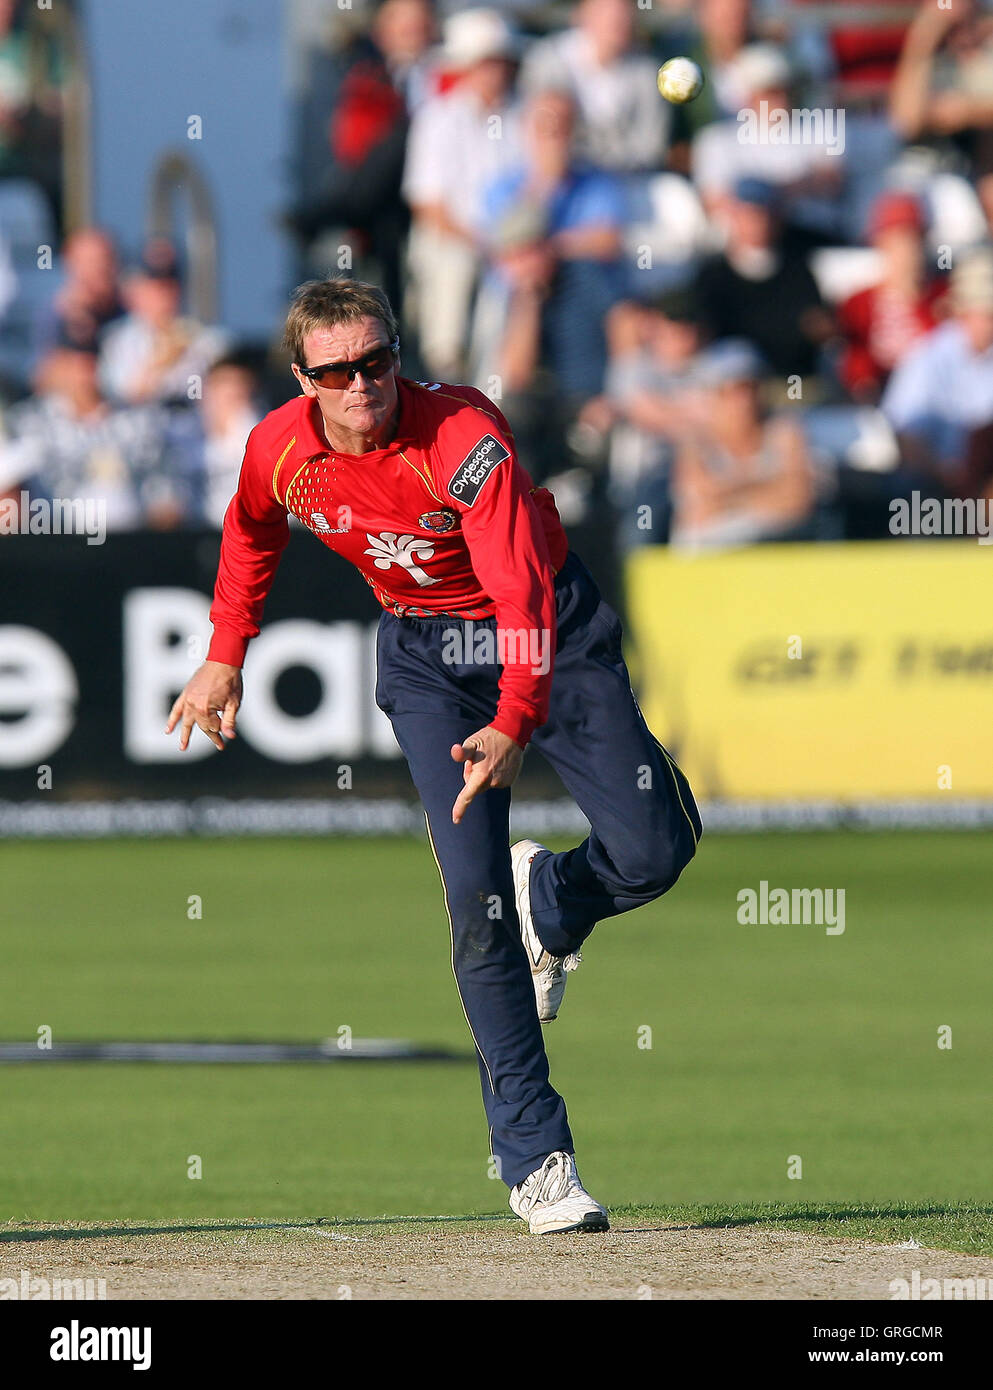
(459,142)
(807,175)
(554,230)
(624,125)
(206,446)
(943,87)
(760,286)
(647,403)
(67,441)
(740,476)
(15,86)
(30,100)
(865,55)
(881,323)
(155,353)
(942,390)
(404,32)
(386,76)
(722,29)
(90,297)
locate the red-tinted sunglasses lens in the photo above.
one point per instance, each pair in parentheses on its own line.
(339,374)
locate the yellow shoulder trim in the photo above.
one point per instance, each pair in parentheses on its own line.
(275,471)
(422,475)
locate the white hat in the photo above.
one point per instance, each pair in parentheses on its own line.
(471,36)
(759,67)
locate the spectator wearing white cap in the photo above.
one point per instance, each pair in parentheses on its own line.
(459,143)
(942,390)
(807,175)
(717,30)
(624,126)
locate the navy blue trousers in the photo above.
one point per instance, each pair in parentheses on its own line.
(644,830)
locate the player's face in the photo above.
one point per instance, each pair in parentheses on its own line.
(364,407)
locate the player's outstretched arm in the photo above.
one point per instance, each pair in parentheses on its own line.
(490,759)
(210,701)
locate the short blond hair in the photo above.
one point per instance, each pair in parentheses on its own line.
(325,303)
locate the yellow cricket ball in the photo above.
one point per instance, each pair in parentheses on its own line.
(680,80)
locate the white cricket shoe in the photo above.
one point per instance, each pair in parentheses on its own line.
(553,1199)
(548,972)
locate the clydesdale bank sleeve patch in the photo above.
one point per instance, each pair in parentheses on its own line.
(475,468)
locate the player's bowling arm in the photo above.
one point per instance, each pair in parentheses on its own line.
(509,554)
(490,759)
(210,701)
(255,534)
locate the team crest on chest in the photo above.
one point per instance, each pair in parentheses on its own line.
(445,520)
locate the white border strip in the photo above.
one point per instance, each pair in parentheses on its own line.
(209,816)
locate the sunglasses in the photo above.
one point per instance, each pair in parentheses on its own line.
(337,375)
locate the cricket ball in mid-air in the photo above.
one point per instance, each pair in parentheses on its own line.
(680,80)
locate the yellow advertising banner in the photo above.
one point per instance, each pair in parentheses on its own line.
(847,671)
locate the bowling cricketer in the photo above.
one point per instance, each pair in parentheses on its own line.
(493,635)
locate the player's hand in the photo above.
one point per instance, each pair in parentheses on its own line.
(210,701)
(490,759)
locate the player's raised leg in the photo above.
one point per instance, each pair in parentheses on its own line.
(645,823)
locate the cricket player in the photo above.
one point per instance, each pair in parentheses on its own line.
(493,636)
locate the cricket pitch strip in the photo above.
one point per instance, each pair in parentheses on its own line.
(484,1258)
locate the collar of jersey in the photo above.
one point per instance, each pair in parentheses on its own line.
(311,442)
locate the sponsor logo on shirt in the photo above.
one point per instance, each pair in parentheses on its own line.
(475,468)
(321,524)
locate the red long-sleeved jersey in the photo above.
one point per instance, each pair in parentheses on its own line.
(444,520)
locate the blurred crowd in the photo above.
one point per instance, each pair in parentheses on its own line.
(131,401)
(763,315)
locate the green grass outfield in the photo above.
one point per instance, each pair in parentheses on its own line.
(767,1041)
